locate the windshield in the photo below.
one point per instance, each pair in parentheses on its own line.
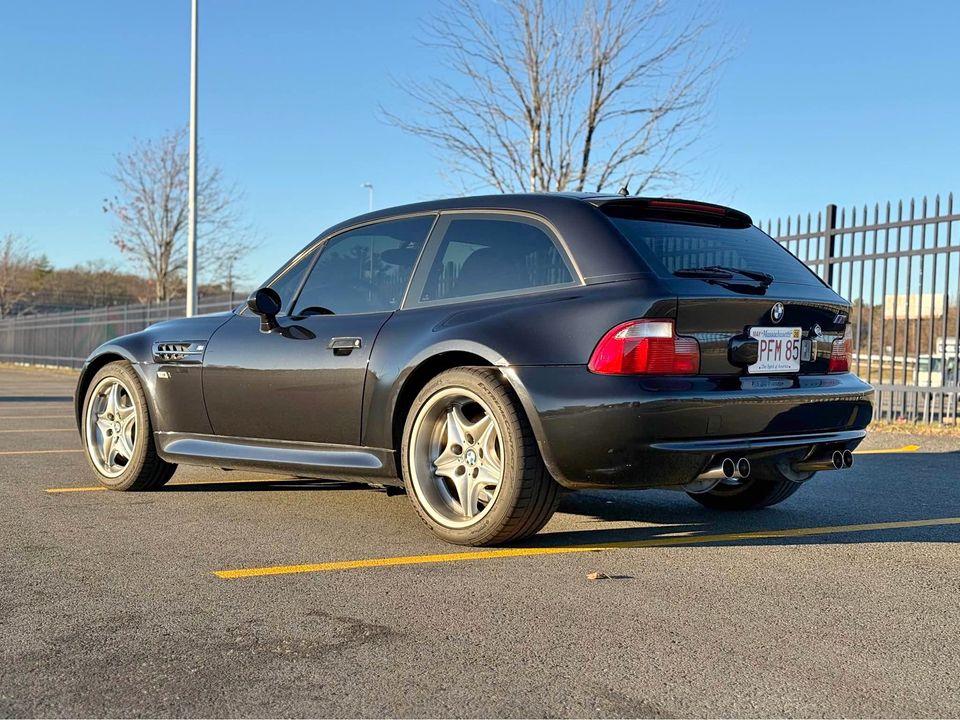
(670,246)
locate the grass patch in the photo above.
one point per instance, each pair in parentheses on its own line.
(914,428)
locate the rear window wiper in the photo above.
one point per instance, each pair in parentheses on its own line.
(704,273)
(721,272)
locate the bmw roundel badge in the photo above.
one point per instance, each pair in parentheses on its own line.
(776,312)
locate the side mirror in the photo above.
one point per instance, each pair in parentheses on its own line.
(266,303)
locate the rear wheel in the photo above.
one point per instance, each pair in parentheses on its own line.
(116,432)
(470,461)
(766,486)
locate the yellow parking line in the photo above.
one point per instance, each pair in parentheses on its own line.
(75,489)
(535,551)
(38,452)
(886,451)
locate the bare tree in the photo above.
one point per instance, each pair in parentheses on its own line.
(19,272)
(565,94)
(226,266)
(150,209)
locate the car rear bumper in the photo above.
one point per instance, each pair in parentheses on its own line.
(632,431)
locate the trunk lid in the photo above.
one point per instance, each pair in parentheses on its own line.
(728,276)
(716,316)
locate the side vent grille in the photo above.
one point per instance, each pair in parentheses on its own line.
(178,352)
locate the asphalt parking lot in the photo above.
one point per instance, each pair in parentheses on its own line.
(237,594)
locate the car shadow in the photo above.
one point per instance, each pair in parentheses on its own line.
(908,488)
(874,492)
(268,484)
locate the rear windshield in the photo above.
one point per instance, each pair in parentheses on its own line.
(670,246)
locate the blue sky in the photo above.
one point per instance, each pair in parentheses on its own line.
(825,101)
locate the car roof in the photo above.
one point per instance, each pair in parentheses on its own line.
(530,202)
(597,248)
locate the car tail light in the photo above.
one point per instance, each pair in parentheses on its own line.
(840,353)
(645,347)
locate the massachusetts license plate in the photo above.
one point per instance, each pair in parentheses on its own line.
(780,350)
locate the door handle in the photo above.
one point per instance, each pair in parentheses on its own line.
(344,345)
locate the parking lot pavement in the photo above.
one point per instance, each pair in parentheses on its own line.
(844,600)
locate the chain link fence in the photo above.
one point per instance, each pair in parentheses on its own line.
(64,339)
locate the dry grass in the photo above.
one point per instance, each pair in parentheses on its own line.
(918,428)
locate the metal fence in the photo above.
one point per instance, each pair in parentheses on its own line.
(900,267)
(64,339)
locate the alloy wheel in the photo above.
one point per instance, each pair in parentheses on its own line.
(456,457)
(111,427)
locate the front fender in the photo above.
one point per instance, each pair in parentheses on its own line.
(174,399)
(135,350)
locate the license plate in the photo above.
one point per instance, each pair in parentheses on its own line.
(780,350)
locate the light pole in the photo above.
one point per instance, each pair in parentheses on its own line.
(369,187)
(192,182)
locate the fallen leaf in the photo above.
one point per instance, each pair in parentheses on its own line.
(598,576)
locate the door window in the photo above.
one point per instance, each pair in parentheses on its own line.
(364,270)
(480,256)
(286,284)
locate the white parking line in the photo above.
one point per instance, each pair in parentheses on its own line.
(33,430)
(39,452)
(36,417)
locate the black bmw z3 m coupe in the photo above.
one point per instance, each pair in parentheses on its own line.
(487,353)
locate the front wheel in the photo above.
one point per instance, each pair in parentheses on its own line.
(471,464)
(766,486)
(116,432)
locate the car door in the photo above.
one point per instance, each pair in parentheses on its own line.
(304,380)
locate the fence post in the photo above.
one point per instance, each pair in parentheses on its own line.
(829,243)
(74,350)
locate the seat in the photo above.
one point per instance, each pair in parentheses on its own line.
(490,270)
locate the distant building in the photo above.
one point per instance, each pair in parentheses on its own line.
(914,306)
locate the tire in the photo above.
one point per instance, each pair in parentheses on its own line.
(524,498)
(135,464)
(766,486)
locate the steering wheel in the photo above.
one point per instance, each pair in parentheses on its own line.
(363,294)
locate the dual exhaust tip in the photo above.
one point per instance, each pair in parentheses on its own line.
(838,460)
(739,468)
(728,469)
(842,459)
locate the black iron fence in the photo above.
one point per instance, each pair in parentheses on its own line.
(900,267)
(64,339)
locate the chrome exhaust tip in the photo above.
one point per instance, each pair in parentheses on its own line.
(713,476)
(743,468)
(838,460)
(729,468)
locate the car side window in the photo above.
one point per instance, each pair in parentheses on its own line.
(364,270)
(478,256)
(286,285)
